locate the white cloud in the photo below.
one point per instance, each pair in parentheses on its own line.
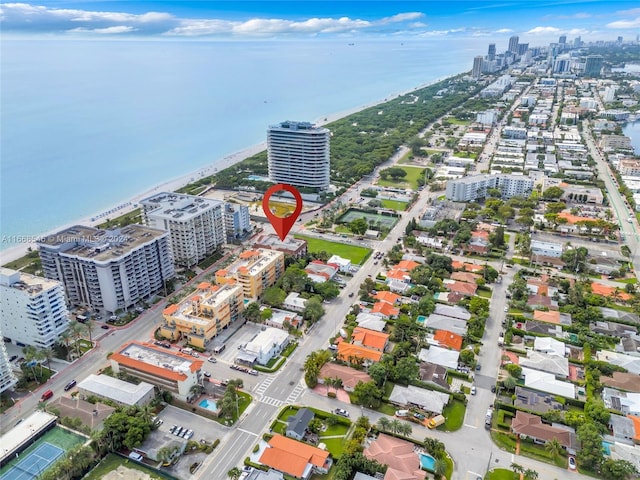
(30,18)
(504,30)
(631,11)
(625,23)
(543,31)
(103,31)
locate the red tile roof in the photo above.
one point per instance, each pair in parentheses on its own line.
(402,460)
(292,457)
(549,317)
(385,308)
(448,339)
(370,338)
(469,267)
(465,277)
(387,296)
(461,287)
(349,376)
(606,291)
(348,350)
(407,265)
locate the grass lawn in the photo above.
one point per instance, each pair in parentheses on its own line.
(483,293)
(337,429)
(632,281)
(6,402)
(334,445)
(410,181)
(111,462)
(455,121)
(501,474)
(281,209)
(538,452)
(342,229)
(356,254)
(30,263)
(622,308)
(454,414)
(394,205)
(504,441)
(449,472)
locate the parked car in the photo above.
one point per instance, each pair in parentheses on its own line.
(207,374)
(253,372)
(351,295)
(473,390)
(493,389)
(189,434)
(572,463)
(173,428)
(342,412)
(104,327)
(478,367)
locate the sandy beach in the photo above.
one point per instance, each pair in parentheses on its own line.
(127,206)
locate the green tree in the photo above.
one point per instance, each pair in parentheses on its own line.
(234,473)
(554,448)
(467,357)
(274,296)
(367,394)
(591,452)
(617,469)
(378,372)
(514,370)
(384,424)
(359,226)
(252,312)
(552,193)
(313,310)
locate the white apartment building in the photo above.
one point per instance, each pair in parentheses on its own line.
(196,225)
(7,378)
(108,269)
(615,142)
(33,310)
(236,221)
(629,166)
(470,188)
(546,249)
(298,154)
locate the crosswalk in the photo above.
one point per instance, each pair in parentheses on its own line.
(293,395)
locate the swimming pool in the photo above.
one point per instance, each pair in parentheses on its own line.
(209,405)
(607,447)
(421,319)
(427,462)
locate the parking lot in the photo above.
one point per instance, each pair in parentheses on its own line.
(203,428)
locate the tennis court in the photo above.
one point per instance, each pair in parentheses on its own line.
(34,463)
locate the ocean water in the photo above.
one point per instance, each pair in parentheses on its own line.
(89,124)
(632,130)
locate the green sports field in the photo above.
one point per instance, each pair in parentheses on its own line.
(356,254)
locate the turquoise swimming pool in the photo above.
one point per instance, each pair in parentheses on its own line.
(427,462)
(421,319)
(209,405)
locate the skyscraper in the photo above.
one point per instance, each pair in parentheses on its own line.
(593,65)
(298,154)
(513,44)
(491,54)
(562,40)
(476,71)
(7,378)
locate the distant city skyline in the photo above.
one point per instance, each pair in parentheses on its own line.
(535,22)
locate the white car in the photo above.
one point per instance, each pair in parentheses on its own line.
(506,309)
(572,463)
(473,390)
(342,412)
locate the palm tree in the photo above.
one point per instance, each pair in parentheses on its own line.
(530,474)
(440,467)
(395,425)
(405,429)
(234,473)
(30,359)
(384,423)
(147,413)
(517,468)
(48,355)
(337,384)
(64,339)
(554,447)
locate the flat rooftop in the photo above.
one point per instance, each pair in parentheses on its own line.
(115,389)
(29,284)
(172,206)
(273,241)
(179,363)
(22,432)
(252,262)
(213,296)
(101,245)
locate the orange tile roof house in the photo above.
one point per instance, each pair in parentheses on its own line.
(462,288)
(465,277)
(389,297)
(549,317)
(349,376)
(347,352)
(385,309)
(399,275)
(606,291)
(469,267)
(370,338)
(532,426)
(169,370)
(407,265)
(448,339)
(399,455)
(295,458)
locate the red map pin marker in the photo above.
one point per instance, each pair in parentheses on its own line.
(282,225)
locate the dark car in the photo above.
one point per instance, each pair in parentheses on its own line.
(493,389)
(70,385)
(477,367)
(105,327)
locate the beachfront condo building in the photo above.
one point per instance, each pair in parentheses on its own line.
(593,65)
(298,154)
(7,378)
(471,188)
(168,370)
(255,271)
(33,310)
(196,225)
(476,71)
(513,44)
(204,314)
(108,270)
(236,220)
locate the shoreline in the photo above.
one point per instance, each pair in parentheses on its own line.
(15,252)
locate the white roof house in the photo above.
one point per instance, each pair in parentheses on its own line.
(440,356)
(631,363)
(267,344)
(550,346)
(428,400)
(553,364)
(440,322)
(119,391)
(546,382)
(294,302)
(452,311)
(370,321)
(625,402)
(343,263)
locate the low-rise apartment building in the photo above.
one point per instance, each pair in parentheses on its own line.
(473,187)
(546,249)
(629,166)
(255,270)
(290,246)
(168,370)
(204,314)
(33,310)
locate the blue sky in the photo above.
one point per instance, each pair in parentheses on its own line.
(537,21)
